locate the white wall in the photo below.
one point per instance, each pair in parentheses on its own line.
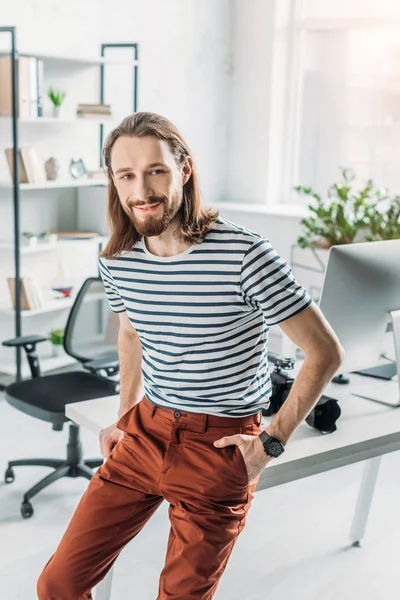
(252,27)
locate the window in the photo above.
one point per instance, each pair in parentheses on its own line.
(342,94)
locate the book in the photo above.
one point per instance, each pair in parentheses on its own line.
(35,292)
(25,305)
(35,170)
(23,85)
(77,235)
(25,284)
(40,85)
(93,110)
(23,176)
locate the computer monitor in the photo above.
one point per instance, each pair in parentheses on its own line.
(361,300)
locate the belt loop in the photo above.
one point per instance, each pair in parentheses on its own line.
(259,420)
(204,423)
(153,410)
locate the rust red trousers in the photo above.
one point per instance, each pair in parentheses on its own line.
(169,455)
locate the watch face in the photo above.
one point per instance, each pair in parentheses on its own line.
(274,448)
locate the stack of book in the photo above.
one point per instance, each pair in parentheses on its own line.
(30,84)
(31,169)
(93,110)
(31,296)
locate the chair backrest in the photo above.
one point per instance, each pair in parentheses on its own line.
(92,328)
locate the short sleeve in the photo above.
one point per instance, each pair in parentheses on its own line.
(267,281)
(114,299)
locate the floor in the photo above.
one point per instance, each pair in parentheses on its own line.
(295,545)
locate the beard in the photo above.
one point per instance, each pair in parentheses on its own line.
(151,225)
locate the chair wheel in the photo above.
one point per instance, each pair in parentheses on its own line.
(9,475)
(26,510)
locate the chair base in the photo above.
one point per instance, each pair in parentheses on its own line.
(73,466)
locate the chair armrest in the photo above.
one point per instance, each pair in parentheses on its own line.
(107,362)
(25,339)
(29,344)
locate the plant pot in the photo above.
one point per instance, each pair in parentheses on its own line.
(56,112)
(57,350)
(30,241)
(324,245)
(50,239)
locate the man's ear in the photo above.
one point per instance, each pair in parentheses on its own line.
(187,170)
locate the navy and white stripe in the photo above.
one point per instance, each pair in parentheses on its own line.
(203,318)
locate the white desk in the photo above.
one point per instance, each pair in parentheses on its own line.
(366,431)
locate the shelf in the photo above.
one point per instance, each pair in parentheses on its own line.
(47,363)
(52,306)
(44,247)
(98,120)
(50,185)
(75,60)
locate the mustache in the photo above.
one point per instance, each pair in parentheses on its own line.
(150,201)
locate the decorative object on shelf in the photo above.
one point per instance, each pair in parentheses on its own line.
(77,168)
(65,291)
(56,337)
(57,99)
(29,239)
(349,215)
(52,168)
(62,283)
(85,111)
(49,237)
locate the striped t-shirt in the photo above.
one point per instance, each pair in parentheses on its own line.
(203,318)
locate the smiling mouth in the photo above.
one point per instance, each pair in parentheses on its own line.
(147,207)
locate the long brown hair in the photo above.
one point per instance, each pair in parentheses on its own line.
(195,220)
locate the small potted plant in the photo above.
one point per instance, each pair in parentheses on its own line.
(56,337)
(57,99)
(29,239)
(49,237)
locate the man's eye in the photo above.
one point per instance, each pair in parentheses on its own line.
(157,171)
(127,176)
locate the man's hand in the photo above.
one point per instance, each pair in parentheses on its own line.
(252,451)
(109,438)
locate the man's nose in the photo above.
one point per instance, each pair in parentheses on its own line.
(142,190)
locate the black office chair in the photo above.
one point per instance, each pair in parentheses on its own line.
(91,338)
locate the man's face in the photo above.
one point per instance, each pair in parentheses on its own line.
(148,181)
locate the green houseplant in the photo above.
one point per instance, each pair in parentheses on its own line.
(348,214)
(56,337)
(57,99)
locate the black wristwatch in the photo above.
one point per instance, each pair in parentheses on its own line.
(272,446)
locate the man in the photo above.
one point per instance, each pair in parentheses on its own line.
(196,296)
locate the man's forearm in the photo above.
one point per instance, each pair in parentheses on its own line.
(313,377)
(130,365)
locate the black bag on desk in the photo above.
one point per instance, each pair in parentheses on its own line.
(325,413)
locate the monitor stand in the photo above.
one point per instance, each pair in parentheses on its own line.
(385,392)
(380,372)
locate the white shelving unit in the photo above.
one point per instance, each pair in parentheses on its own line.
(68,136)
